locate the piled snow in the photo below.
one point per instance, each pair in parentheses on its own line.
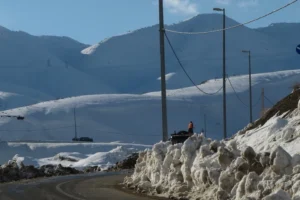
(78,155)
(78,160)
(263,163)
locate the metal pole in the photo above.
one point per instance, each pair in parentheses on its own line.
(163,72)
(205,125)
(262,101)
(250,87)
(224,78)
(75,123)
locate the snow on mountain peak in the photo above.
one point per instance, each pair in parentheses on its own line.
(90,50)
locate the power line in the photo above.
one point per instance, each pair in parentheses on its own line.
(186,71)
(269,100)
(256,103)
(239,97)
(232,27)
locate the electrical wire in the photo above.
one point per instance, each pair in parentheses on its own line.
(269,100)
(232,27)
(169,42)
(231,85)
(237,96)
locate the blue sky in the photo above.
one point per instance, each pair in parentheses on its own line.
(90,21)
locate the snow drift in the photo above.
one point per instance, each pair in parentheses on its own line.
(262,163)
(76,155)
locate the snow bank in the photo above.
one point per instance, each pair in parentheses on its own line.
(100,159)
(77,155)
(261,164)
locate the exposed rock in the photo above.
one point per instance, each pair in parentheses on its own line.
(279,195)
(256,167)
(241,165)
(251,183)
(92,169)
(225,157)
(213,146)
(249,154)
(127,163)
(222,195)
(29,172)
(61,158)
(204,151)
(214,175)
(204,176)
(227,181)
(264,159)
(296,160)
(296,169)
(239,175)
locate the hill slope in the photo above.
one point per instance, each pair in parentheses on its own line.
(58,67)
(137,118)
(137,53)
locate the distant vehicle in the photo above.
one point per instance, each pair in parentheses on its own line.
(83,139)
(179,137)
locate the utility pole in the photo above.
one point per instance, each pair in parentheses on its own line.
(163,72)
(224,73)
(262,102)
(75,123)
(205,125)
(250,85)
(224,77)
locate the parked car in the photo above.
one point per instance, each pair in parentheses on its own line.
(83,139)
(179,137)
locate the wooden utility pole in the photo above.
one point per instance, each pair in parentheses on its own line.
(163,72)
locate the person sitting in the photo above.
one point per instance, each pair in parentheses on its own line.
(191,128)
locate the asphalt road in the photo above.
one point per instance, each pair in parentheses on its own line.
(93,187)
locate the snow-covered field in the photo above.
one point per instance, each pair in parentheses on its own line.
(137,117)
(263,163)
(78,155)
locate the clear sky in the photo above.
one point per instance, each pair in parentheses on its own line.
(90,21)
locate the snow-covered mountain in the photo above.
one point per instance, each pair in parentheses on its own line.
(137,53)
(137,117)
(35,69)
(49,67)
(41,68)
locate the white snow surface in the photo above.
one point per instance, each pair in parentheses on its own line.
(90,49)
(137,117)
(78,155)
(263,163)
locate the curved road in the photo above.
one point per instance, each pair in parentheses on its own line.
(92,187)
